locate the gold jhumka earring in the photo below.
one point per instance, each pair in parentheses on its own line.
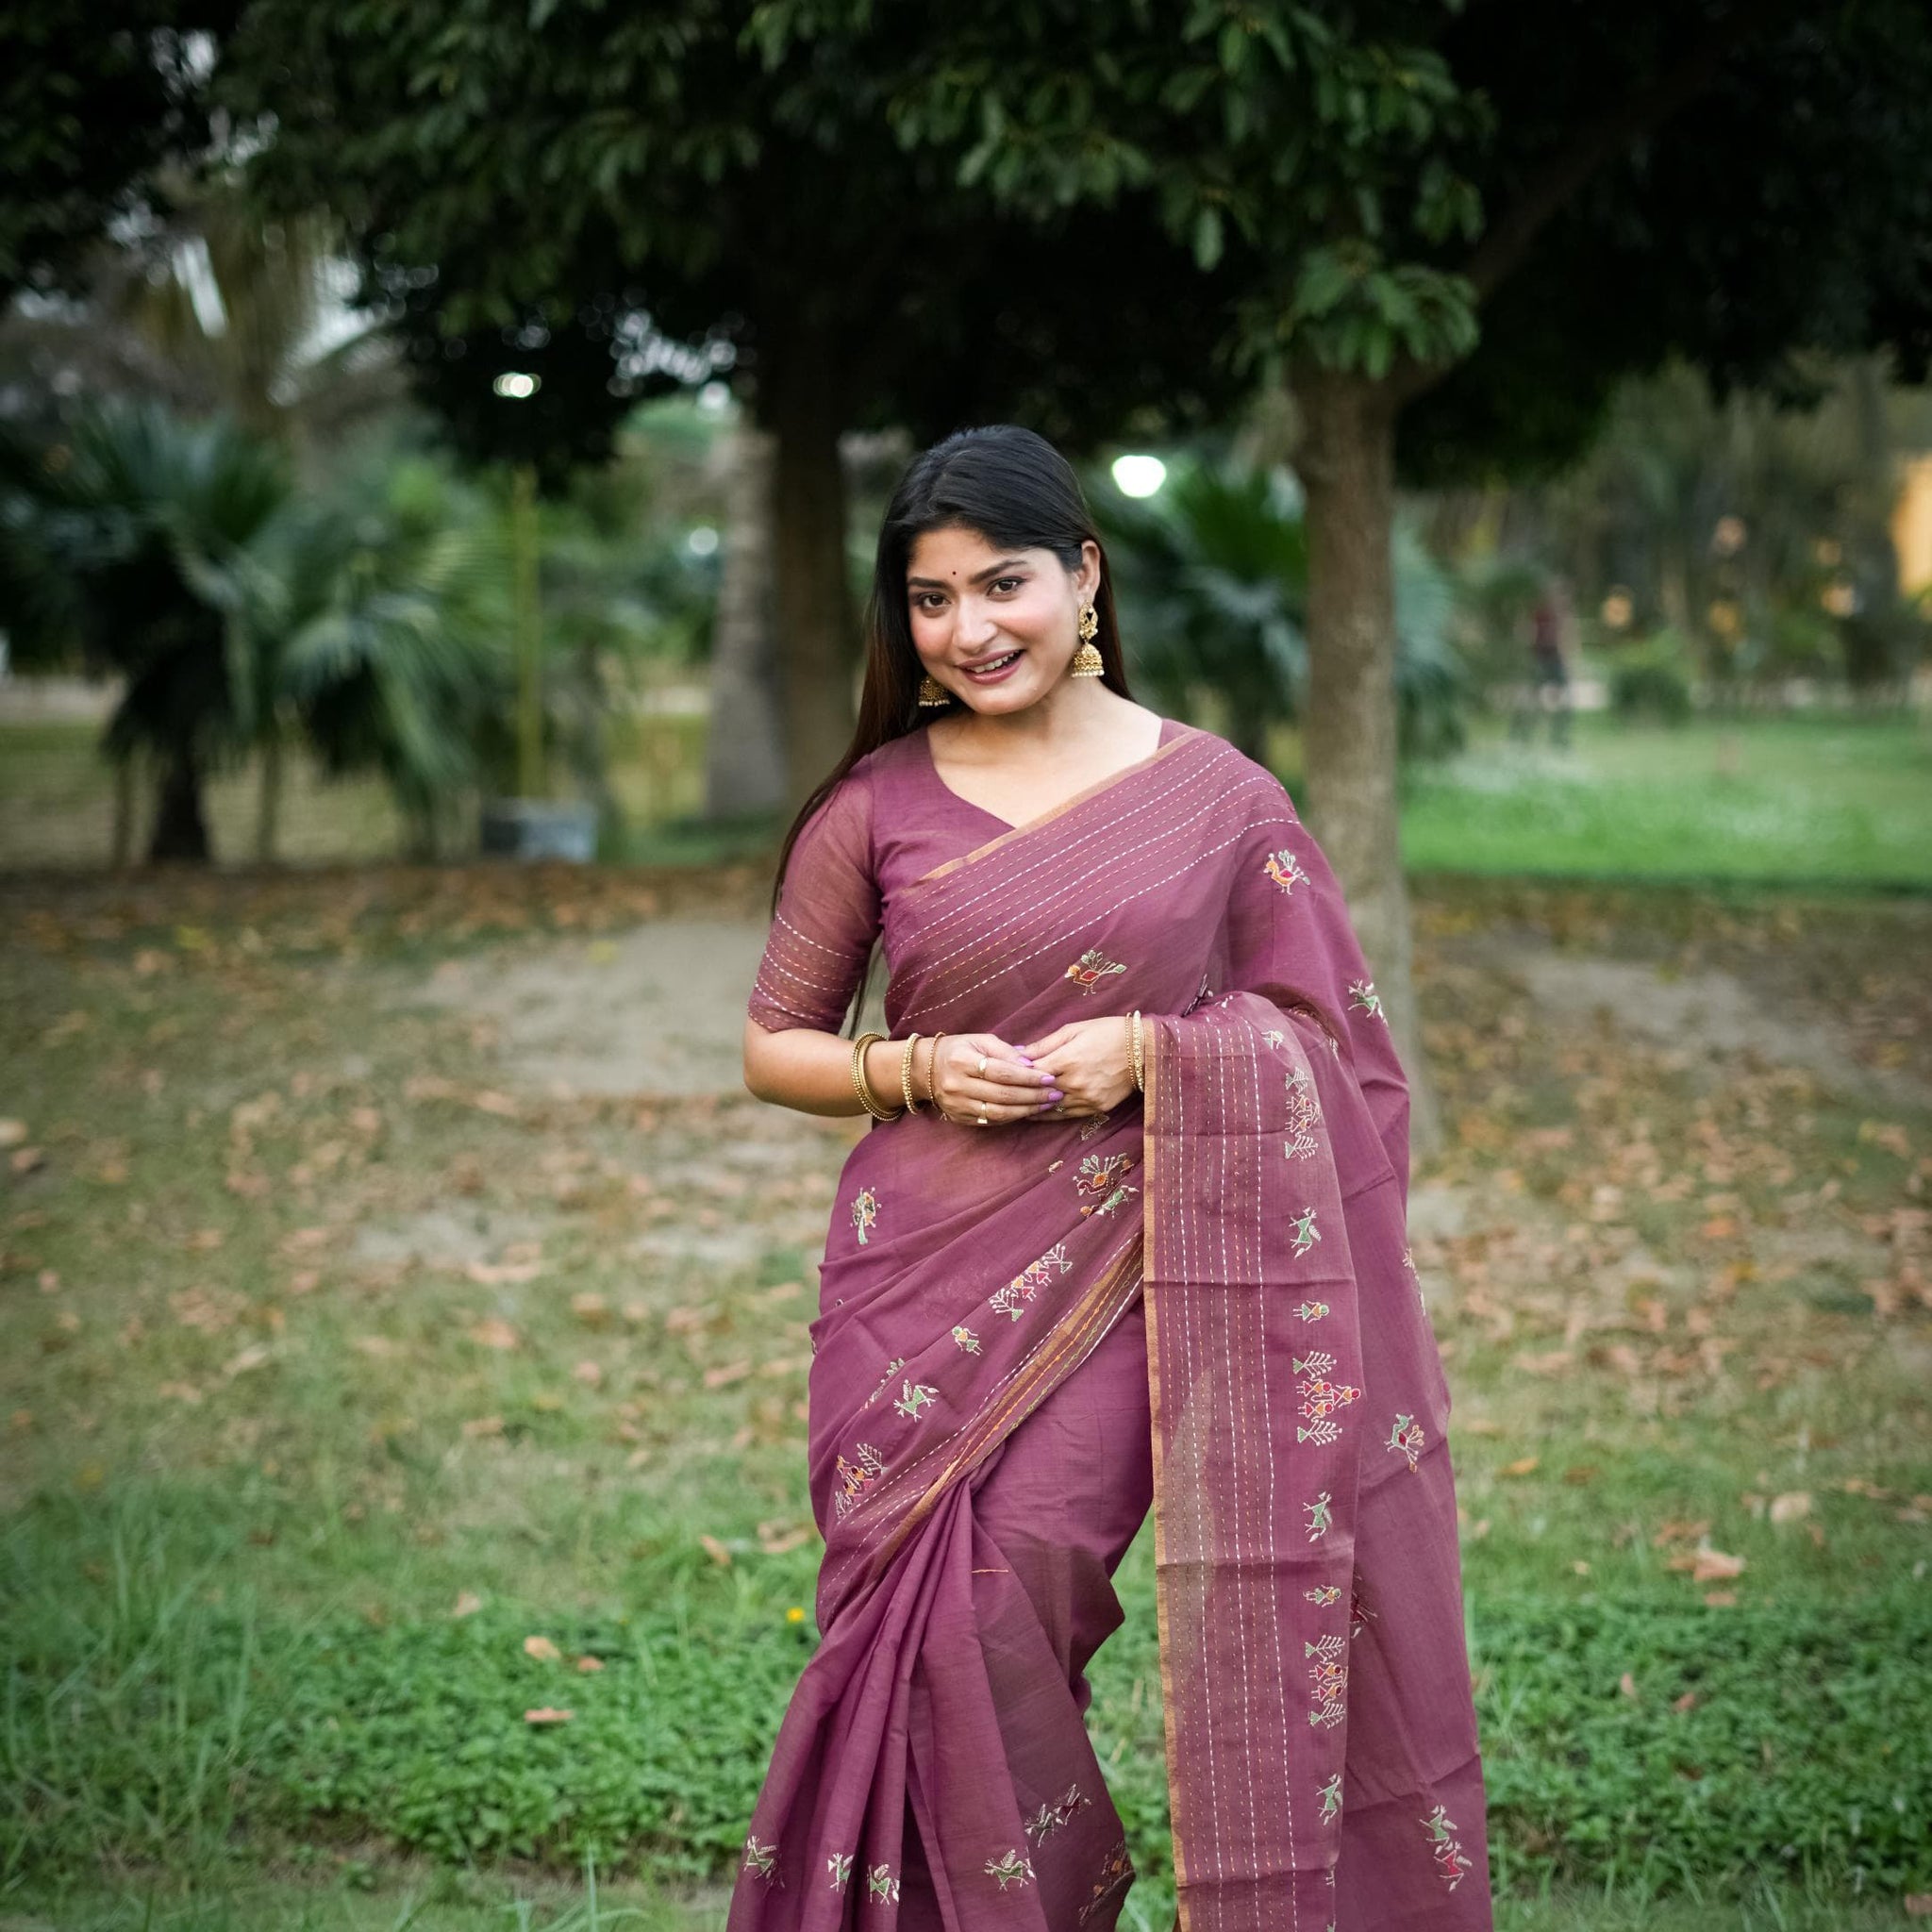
(1087,660)
(931,691)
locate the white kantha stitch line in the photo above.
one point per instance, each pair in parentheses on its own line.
(927,1005)
(1233,1166)
(774,970)
(1271,1553)
(982,911)
(1179,777)
(1165,803)
(1199,1548)
(944,1445)
(1021,891)
(1037,903)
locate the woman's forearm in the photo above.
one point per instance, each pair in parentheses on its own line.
(801,1068)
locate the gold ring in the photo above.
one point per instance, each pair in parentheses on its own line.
(980,1069)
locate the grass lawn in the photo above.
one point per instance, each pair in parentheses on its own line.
(1804,801)
(1800,801)
(364,1395)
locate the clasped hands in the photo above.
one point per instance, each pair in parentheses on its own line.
(1080,1069)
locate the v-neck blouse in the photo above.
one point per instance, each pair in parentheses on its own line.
(888,824)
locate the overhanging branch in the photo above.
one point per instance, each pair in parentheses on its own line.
(1594,146)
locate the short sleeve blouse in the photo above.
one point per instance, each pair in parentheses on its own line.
(887,823)
(828,915)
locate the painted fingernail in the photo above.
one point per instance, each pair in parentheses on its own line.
(1055,1093)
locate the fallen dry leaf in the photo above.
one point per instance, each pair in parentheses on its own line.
(589,1664)
(590,1373)
(492,1273)
(494,1332)
(250,1357)
(1627,1685)
(543,1650)
(1521,1466)
(716,1551)
(12,1133)
(545,1715)
(1790,1505)
(467,1604)
(726,1373)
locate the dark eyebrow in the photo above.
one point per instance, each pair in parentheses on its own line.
(993,569)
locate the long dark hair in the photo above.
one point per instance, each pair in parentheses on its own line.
(1015,490)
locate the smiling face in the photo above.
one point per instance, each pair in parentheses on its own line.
(996,628)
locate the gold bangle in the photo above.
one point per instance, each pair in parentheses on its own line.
(860,1084)
(1139,1066)
(905,1075)
(932,1074)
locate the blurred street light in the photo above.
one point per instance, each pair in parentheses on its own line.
(515,386)
(1137,475)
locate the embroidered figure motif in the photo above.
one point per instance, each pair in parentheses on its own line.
(1364,998)
(1284,869)
(1010,1868)
(1120,1194)
(1325,1594)
(914,1397)
(1099,1172)
(967,1340)
(1274,1036)
(763,1859)
(892,1368)
(1096,1125)
(1092,968)
(1312,1311)
(857,1476)
(1359,1614)
(1452,1863)
(838,1869)
(1321,1398)
(1025,1286)
(1415,1275)
(1304,1115)
(1319,1524)
(1305,1231)
(1328,1680)
(1116,1870)
(1331,1795)
(1049,1818)
(881,1886)
(1407,1435)
(865,1213)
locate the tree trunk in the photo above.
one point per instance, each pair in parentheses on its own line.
(268,799)
(180,823)
(124,812)
(744,757)
(799,402)
(1346,462)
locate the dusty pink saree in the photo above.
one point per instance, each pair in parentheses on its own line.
(934,1768)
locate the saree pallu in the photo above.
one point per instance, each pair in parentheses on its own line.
(1322,1750)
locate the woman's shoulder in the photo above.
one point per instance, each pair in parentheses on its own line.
(1236,767)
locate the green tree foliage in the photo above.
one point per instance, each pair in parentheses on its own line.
(111,539)
(176,555)
(573,192)
(95,101)
(1214,574)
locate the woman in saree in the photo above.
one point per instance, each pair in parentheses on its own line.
(1127,1228)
